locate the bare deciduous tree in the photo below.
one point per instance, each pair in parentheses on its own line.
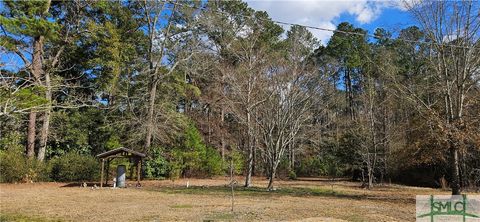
(453,28)
(287,94)
(172,40)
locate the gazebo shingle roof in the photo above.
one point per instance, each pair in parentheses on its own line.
(120,150)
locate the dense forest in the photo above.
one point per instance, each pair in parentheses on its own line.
(208,87)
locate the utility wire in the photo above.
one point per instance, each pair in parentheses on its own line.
(320,28)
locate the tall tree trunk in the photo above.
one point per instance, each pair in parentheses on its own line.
(291,155)
(222,136)
(271,177)
(44,135)
(37,72)
(248,177)
(349,94)
(386,144)
(454,163)
(254,161)
(150,119)
(209,128)
(292,166)
(46,119)
(371,164)
(370,177)
(463,172)
(32,119)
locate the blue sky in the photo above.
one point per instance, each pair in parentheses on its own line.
(366,14)
(369,15)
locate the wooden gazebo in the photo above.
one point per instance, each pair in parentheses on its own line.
(121,152)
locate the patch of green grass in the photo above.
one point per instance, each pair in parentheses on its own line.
(181,206)
(354,218)
(220,217)
(302,191)
(23,218)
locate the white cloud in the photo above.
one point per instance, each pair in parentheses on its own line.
(321,13)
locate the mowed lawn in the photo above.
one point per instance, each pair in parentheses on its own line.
(306,199)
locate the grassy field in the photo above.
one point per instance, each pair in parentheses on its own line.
(209,200)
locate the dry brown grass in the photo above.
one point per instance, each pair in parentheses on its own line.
(209,199)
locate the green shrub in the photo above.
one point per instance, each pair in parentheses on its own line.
(212,163)
(292,175)
(74,167)
(176,165)
(156,166)
(12,166)
(311,166)
(193,157)
(238,162)
(333,167)
(15,167)
(36,171)
(205,161)
(11,140)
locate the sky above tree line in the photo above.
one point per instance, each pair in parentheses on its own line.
(369,15)
(366,14)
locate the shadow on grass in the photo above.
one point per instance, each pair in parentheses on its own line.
(22,218)
(79,184)
(324,179)
(92,184)
(256,191)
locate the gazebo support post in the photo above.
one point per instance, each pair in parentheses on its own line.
(139,167)
(101,177)
(132,168)
(107,173)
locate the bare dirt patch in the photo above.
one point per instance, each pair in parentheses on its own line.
(209,200)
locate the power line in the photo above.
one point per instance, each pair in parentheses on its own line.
(321,28)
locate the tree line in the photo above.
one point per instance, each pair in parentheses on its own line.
(194,84)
